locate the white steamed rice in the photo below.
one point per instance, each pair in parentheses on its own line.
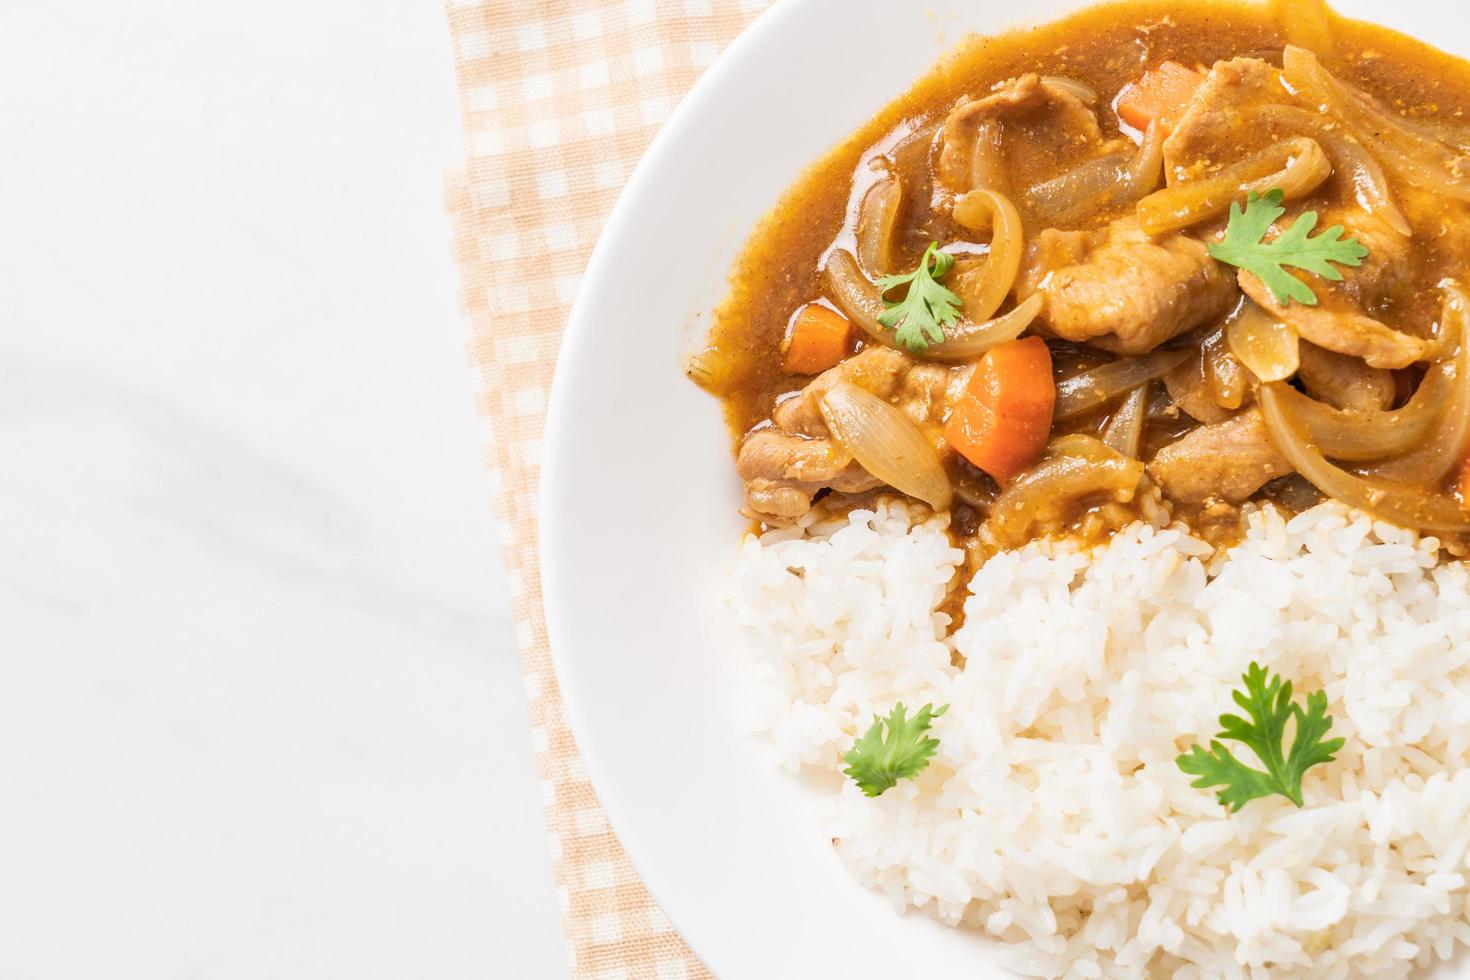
(1054,817)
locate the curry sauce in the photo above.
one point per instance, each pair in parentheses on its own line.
(1105,49)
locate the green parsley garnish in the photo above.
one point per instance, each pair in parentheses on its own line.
(1268,701)
(877,764)
(927,308)
(1243,247)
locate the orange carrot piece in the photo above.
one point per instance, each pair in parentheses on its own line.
(1462,483)
(1002,421)
(1161,94)
(817,338)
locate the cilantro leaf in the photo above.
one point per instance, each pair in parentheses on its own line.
(1268,701)
(877,764)
(1244,248)
(927,308)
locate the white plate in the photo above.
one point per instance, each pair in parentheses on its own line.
(639,497)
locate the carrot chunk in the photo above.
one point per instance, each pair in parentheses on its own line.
(1161,94)
(1462,483)
(817,338)
(1002,421)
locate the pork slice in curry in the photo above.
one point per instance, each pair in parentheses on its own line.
(1154,261)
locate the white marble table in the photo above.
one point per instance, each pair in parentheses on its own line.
(260,714)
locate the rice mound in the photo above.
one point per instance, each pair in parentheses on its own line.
(1054,816)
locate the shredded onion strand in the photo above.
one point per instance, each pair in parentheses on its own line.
(887,443)
(1101,385)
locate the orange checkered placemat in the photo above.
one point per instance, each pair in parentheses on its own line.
(559,100)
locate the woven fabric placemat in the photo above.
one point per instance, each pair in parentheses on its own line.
(559,99)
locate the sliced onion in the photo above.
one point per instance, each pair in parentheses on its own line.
(987,286)
(855,295)
(1084,93)
(1226,378)
(1270,348)
(1124,431)
(1101,385)
(1051,201)
(1189,390)
(1349,160)
(1297,166)
(1104,182)
(1306,24)
(1446,446)
(886,443)
(1359,436)
(1076,467)
(1409,152)
(965,340)
(1400,503)
(911,155)
(1370,186)
(877,226)
(1451,134)
(1148,163)
(1215,384)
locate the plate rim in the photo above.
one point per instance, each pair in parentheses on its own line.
(558,409)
